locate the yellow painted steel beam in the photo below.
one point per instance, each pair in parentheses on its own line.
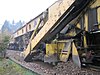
(86,21)
(85,41)
(98,16)
(52,19)
(29,47)
(95,4)
(55,12)
(35,30)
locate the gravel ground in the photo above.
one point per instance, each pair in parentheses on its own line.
(46,69)
(36,66)
(71,69)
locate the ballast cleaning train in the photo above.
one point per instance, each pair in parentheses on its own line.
(68,29)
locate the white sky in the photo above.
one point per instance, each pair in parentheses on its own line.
(22,9)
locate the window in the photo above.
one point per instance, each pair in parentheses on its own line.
(26,28)
(35,23)
(17,33)
(22,30)
(29,27)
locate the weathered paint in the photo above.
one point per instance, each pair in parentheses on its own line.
(65,52)
(95,4)
(85,42)
(53,17)
(98,13)
(53,52)
(86,21)
(78,25)
(51,49)
(75,55)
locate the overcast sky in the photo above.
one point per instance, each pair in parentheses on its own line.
(22,9)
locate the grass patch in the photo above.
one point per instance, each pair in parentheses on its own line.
(8,67)
(1,58)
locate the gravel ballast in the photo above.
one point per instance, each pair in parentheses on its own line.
(42,68)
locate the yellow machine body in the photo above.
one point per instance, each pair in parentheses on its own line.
(59,50)
(80,37)
(53,52)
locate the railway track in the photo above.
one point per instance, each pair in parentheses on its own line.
(46,69)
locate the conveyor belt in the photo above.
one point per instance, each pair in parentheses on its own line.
(71,13)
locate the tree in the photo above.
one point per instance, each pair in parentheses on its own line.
(4,44)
